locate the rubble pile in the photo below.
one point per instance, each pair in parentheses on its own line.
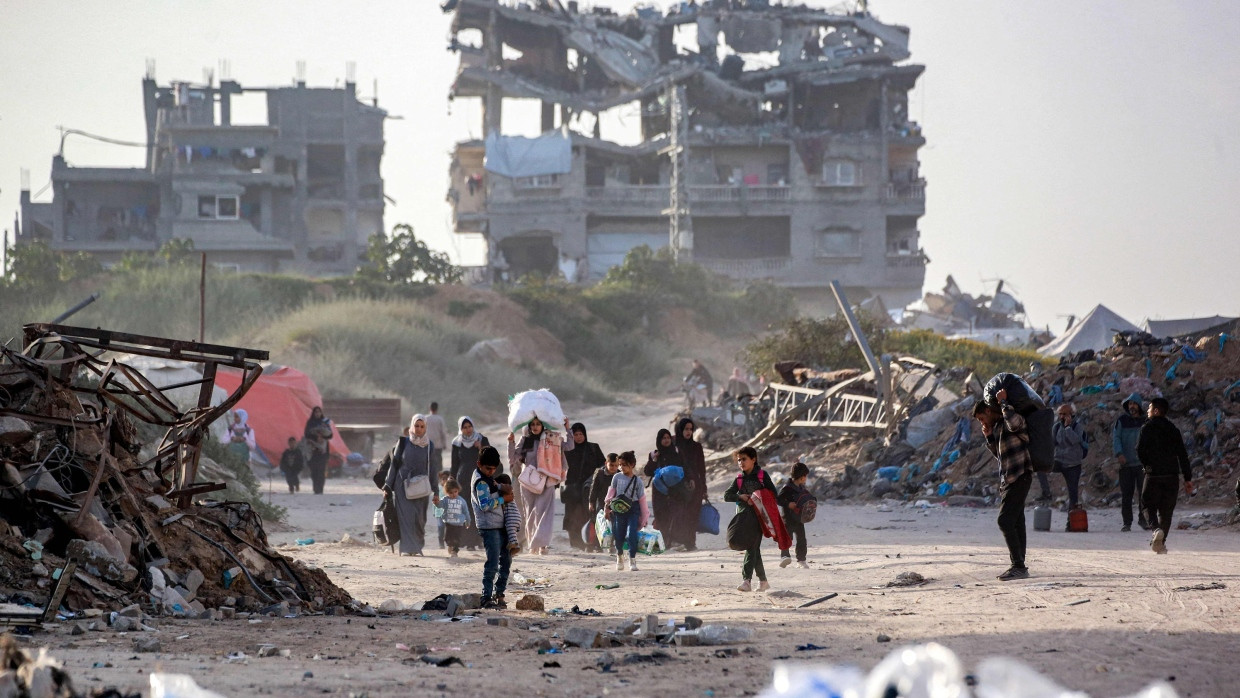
(81,491)
(939,454)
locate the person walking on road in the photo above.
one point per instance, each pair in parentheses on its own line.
(1124,435)
(583,460)
(542,450)
(412,461)
(1008,439)
(466,448)
(318,435)
(1160,446)
(1069,438)
(437,432)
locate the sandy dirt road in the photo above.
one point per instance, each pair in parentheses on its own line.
(1139,623)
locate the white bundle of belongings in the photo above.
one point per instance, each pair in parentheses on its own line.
(927,671)
(543,404)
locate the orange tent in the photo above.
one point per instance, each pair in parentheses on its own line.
(279,404)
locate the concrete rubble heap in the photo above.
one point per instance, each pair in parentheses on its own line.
(78,482)
(939,455)
(775,142)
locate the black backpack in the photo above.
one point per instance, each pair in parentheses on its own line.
(379,476)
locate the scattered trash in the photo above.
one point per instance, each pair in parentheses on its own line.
(809,647)
(178,686)
(578,611)
(907,579)
(819,600)
(613,585)
(883,637)
(1203,587)
(1077,602)
(396,606)
(441,661)
(925,670)
(305,541)
(723,634)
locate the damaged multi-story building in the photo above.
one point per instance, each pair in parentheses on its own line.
(775,143)
(301,192)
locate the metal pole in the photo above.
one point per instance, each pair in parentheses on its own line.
(82,304)
(202,302)
(858,336)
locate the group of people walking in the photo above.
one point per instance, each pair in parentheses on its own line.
(1150,450)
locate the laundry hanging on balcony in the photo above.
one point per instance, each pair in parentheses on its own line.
(518,156)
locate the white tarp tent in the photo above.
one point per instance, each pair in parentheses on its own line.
(1175,328)
(518,156)
(1094,331)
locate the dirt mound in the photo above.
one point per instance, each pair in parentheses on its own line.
(489,313)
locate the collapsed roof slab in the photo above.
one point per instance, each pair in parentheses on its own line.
(472,81)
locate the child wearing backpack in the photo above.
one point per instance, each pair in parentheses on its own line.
(455,517)
(790,495)
(744,492)
(489,502)
(626,499)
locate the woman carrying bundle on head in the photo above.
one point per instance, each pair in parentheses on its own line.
(537,463)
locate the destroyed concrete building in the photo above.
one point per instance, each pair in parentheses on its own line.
(775,143)
(300,192)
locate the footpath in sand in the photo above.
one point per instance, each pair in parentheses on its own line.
(1141,619)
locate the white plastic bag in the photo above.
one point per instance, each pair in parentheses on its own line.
(1001,677)
(543,404)
(178,686)
(808,681)
(921,671)
(650,541)
(602,529)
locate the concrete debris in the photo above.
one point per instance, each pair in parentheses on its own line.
(530,602)
(907,579)
(578,636)
(78,482)
(147,643)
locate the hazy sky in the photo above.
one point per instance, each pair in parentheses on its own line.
(1084,151)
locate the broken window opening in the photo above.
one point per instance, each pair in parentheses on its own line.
(742,237)
(325,169)
(838,242)
(838,172)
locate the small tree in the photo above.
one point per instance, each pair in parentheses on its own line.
(35,265)
(404,259)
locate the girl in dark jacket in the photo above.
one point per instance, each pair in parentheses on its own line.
(752,478)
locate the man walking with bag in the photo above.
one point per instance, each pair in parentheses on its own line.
(1008,439)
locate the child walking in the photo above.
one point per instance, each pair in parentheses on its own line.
(512,515)
(489,503)
(788,495)
(626,499)
(598,493)
(444,476)
(455,517)
(752,479)
(291,463)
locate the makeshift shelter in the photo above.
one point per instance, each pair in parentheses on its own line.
(278,405)
(1176,328)
(1094,331)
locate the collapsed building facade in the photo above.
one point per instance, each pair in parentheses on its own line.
(775,143)
(301,192)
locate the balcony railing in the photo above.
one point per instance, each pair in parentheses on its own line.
(915,191)
(631,193)
(729,192)
(747,267)
(916,259)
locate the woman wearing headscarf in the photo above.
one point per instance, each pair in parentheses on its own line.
(466,448)
(412,460)
(240,435)
(543,450)
(584,458)
(318,434)
(693,460)
(664,453)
